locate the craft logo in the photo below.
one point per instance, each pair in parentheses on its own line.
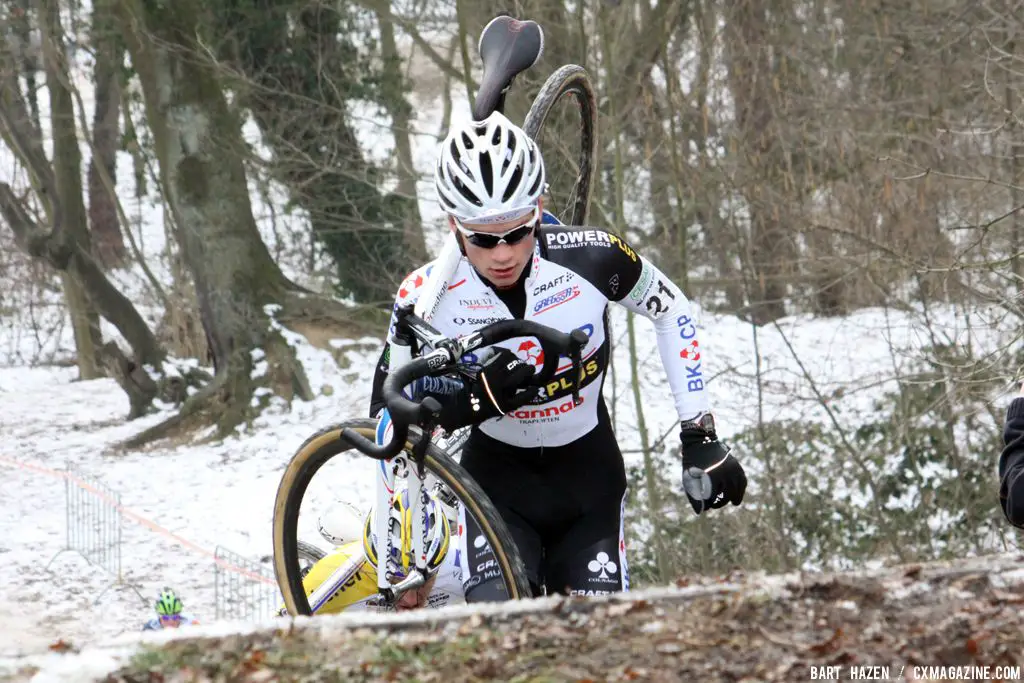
(551,284)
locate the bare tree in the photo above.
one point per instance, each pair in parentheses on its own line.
(241,293)
(299,68)
(67,163)
(108,242)
(60,237)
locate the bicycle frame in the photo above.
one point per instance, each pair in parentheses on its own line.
(433,290)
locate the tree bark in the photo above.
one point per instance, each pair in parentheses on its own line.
(108,243)
(198,143)
(748,42)
(28,54)
(67,164)
(401,121)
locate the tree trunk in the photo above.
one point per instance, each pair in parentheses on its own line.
(706,177)
(82,277)
(751,76)
(198,143)
(67,164)
(398,108)
(301,71)
(108,243)
(28,55)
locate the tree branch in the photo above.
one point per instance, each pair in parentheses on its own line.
(27,234)
(19,133)
(409,28)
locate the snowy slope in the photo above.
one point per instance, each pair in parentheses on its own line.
(222,494)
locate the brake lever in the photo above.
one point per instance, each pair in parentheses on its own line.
(578,339)
(577,372)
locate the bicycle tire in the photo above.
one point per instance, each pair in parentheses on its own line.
(318,449)
(571,79)
(310,553)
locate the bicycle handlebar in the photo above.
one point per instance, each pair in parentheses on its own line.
(405,412)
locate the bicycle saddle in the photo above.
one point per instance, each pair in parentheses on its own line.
(507,48)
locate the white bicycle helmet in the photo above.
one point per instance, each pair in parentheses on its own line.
(436,534)
(488,171)
(341,524)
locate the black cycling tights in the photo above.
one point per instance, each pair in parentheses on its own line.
(564,508)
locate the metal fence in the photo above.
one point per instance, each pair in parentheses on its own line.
(94,520)
(243,588)
(93,523)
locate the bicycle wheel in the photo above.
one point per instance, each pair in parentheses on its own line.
(573,80)
(308,555)
(328,443)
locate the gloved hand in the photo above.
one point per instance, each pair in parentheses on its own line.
(498,389)
(438,387)
(711,476)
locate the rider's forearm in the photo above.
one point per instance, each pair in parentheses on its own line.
(658,299)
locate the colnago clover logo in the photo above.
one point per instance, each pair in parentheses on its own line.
(602,565)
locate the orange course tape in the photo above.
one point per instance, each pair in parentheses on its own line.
(148,523)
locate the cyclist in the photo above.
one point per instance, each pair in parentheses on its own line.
(553,468)
(169,613)
(358,589)
(1011,463)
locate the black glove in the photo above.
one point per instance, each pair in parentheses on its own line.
(711,476)
(498,389)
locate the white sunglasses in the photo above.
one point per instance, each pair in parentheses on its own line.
(489,240)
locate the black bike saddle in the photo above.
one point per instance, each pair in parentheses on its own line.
(507,48)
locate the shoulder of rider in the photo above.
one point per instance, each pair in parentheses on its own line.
(411,285)
(603,257)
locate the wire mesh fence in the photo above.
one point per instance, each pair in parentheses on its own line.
(94,524)
(93,521)
(244,589)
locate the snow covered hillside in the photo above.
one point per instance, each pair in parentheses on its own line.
(222,494)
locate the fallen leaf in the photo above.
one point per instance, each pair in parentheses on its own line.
(61,646)
(827,645)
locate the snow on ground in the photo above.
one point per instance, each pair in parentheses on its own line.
(222,494)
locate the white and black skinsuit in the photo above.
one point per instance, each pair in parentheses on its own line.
(553,469)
